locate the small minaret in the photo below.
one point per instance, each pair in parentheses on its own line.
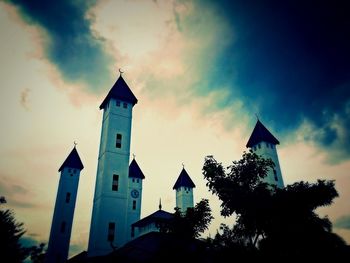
(109,222)
(184,191)
(135,196)
(263,143)
(62,220)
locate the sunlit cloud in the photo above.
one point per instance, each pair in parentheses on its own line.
(194,72)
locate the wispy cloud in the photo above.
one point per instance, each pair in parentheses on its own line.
(29,240)
(24,99)
(16,195)
(343,222)
(69,42)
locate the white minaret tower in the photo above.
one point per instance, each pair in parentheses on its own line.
(61,227)
(184,191)
(109,227)
(263,143)
(134,196)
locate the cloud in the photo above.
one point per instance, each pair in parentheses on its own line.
(75,249)
(289,61)
(343,222)
(69,42)
(29,240)
(24,98)
(15,194)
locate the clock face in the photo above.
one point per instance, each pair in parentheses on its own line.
(134,193)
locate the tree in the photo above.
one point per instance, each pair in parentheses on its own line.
(10,233)
(193,222)
(242,192)
(282,222)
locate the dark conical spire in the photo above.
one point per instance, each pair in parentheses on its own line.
(184,180)
(261,134)
(135,171)
(120,90)
(72,161)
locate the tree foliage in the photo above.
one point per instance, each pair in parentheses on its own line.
(11,232)
(193,222)
(268,219)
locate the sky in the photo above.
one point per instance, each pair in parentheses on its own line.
(201,70)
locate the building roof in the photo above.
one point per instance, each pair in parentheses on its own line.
(135,171)
(184,180)
(72,161)
(154,247)
(158,216)
(261,134)
(120,90)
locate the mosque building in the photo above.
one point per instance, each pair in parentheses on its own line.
(117,199)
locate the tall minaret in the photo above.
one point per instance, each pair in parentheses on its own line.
(109,227)
(263,143)
(134,196)
(184,191)
(61,227)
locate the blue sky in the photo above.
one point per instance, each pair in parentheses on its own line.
(201,71)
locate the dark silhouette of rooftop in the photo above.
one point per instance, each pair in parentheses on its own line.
(135,171)
(72,161)
(261,134)
(120,90)
(184,180)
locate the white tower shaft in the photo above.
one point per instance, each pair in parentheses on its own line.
(184,198)
(109,223)
(109,216)
(62,220)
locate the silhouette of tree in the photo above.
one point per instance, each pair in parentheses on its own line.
(273,221)
(11,231)
(242,192)
(193,222)
(37,254)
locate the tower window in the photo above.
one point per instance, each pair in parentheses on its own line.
(115,182)
(275,175)
(74,171)
(254,148)
(111,230)
(267,145)
(125,105)
(133,180)
(132,231)
(134,205)
(69,170)
(137,180)
(118,103)
(118,143)
(259,146)
(63,227)
(67,198)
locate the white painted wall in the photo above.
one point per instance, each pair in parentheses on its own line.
(184,198)
(111,206)
(268,150)
(134,214)
(58,245)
